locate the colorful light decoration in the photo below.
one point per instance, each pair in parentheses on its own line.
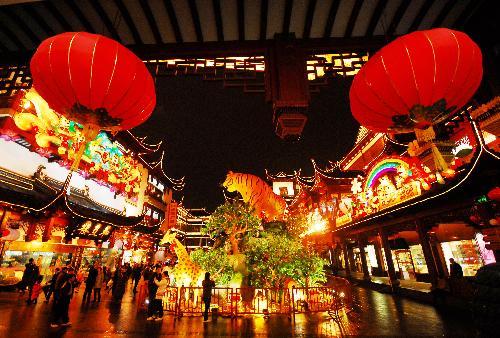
(382,168)
(415,82)
(389,182)
(258,194)
(103,159)
(94,81)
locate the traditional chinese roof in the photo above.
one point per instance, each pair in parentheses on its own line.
(470,182)
(42,193)
(151,156)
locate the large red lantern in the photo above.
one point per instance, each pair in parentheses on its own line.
(94,81)
(416,81)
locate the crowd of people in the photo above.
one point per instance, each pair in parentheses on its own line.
(66,281)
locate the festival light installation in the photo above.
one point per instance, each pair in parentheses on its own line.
(415,82)
(94,81)
(257,194)
(102,159)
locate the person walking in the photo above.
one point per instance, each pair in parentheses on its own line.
(64,293)
(119,284)
(207,284)
(162,282)
(48,289)
(152,289)
(90,282)
(37,290)
(29,278)
(455,269)
(136,276)
(99,281)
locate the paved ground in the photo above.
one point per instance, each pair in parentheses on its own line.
(375,314)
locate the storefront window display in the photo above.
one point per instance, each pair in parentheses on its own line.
(134,256)
(404,263)
(465,253)
(107,257)
(417,255)
(487,255)
(13,264)
(371,258)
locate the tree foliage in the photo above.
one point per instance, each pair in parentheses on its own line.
(274,259)
(232,220)
(217,262)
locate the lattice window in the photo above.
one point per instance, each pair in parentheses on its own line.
(13,79)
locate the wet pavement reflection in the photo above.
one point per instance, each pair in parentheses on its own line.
(374,314)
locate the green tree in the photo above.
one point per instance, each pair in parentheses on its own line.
(215,261)
(275,258)
(234,220)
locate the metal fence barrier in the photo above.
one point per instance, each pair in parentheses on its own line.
(188,301)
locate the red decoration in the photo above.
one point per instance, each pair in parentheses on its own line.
(494,194)
(416,81)
(93,80)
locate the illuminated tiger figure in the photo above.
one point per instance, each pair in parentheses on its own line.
(257,194)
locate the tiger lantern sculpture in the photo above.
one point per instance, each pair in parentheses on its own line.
(257,194)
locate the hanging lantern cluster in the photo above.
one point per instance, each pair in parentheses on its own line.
(416,82)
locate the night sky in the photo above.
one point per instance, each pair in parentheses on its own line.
(208,129)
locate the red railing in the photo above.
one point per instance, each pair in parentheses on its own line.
(240,301)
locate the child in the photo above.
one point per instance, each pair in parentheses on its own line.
(37,289)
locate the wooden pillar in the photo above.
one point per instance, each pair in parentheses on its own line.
(437,253)
(380,257)
(388,257)
(346,260)
(426,248)
(364,264)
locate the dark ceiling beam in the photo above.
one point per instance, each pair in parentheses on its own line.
(59,17)
(287,16)
(13,37)
(32,13)
(173,20)
(467,13)
(309,18)
(151,20)
(241,19)
(218,19)
(263,19)
(128,20)
(443,13)
(331,18)
(377,13)
(420,15)
(105,19)
(196,20)
(352,19)
(403,6)
(234,48)
(80,16)
(22,24)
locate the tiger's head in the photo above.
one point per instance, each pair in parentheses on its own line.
(230,181)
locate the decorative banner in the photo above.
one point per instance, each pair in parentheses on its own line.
(170,217)
(93,230)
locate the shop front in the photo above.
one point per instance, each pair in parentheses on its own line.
(48,256)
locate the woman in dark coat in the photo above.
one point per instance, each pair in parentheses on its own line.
(119,284)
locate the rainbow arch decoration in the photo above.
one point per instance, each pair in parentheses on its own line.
(383,167)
